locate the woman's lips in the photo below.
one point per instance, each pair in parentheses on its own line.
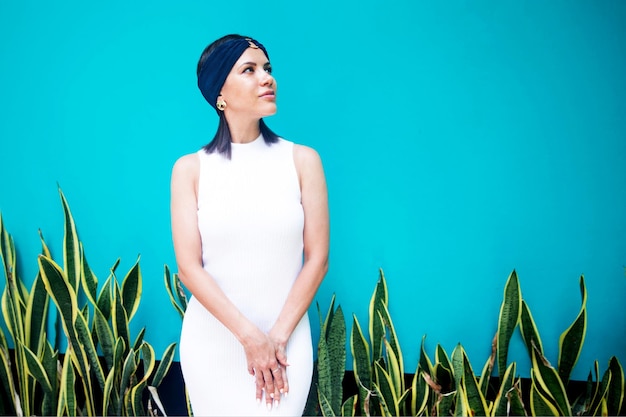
(268,95)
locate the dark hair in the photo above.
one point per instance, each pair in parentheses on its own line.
(221,141)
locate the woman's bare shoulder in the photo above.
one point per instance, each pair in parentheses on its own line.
(187,165)
(305,156)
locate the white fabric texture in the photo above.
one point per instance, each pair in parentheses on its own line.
(251,223)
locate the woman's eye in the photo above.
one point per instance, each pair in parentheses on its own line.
(249,69)
(268,70)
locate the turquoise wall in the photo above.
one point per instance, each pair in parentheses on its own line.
(461,140)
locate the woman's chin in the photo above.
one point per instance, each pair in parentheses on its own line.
(270,111)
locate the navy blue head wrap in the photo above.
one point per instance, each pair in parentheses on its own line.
(218,64)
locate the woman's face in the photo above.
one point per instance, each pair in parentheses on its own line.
(250,88)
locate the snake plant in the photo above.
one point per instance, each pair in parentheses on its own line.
(449,385)
(104,370)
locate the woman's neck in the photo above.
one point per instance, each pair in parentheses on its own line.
(243,132)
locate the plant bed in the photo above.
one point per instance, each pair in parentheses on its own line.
(449,385)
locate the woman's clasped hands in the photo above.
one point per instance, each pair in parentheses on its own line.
(267,362)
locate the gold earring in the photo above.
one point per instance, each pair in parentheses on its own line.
(221,105)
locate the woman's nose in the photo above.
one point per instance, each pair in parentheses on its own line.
(267,79)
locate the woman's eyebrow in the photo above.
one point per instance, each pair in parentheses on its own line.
(254,64)
(248,63)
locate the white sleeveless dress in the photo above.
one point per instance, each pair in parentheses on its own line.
(251,223)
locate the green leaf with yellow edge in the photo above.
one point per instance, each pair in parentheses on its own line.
(444,377)
(132,289)
(71,246)
(462,407)
(394,370)
(420,393)
(84,337)
(327,409)
(118,316)
(36,369)
(49,361)
(501,405)
(44,247)
(88,279)
(595,387)
(105,298)
(529,331)
(425,364)
(9,314)
(603,391)
(548,380)
(615,392)
(7,251)
(540,405)
(105,337)
(172,292)
(180,292)
(118,353)
(128,371)
(139,339)
(13,305)
(108,405)
(508,319)
(476,402)
(67,405)
(332,355)
(348,408)
(136,391)
(376,325)
(324,386)
(403,402)
(571,341)
(445,406)
(360,361)
(457,364)
(394,343)
(61,292)
(441,357)
(485,376)
(164,365)
(386,408)
(115,400)
(36,315)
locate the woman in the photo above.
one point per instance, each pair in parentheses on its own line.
(250,228)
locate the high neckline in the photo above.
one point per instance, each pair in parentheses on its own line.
(259,139)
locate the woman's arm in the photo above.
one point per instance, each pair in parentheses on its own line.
(260,351)
(316,244)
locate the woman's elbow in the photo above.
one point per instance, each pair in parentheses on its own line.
(321,264)
(186,273)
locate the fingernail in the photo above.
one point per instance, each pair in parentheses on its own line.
(276,404)
(269,406)
(272,395)
(258,401)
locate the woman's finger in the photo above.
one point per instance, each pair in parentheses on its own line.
(269,389)
(279,383)
(283,371)
(260,383)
